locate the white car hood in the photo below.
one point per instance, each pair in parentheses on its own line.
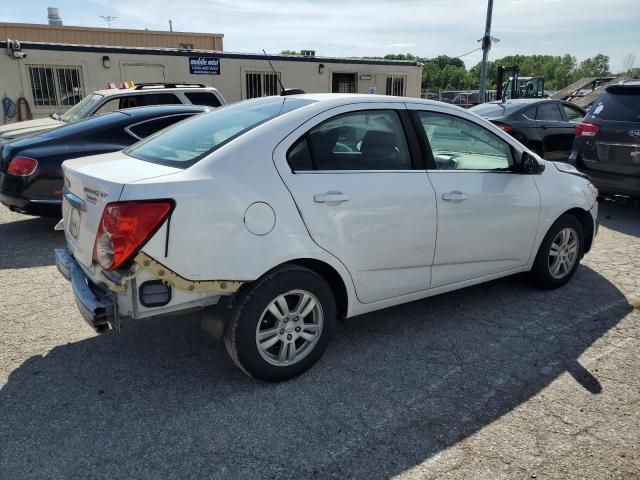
(19,129)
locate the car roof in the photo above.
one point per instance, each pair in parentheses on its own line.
(158,110)
(346,98)
(623,86)
(132,91)
(525,101)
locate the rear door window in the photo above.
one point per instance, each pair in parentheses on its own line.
(622,107)
(203,98)
(549,112)
(159,99)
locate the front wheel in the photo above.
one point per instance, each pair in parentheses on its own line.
(281,324)
(559,253)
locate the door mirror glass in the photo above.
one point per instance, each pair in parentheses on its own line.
(530,164)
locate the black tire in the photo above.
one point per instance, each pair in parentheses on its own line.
(241,329)
(542,270)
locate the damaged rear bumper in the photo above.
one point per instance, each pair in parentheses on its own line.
(97,305)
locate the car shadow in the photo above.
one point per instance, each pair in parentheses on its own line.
(29,242)
(395,387)
(620,215)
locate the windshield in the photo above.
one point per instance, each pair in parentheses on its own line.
(495,110)
(191,140)
(81,109)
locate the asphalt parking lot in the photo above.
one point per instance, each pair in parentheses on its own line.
(496,381)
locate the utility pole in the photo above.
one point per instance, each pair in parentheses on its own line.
(486,46)
(170,26)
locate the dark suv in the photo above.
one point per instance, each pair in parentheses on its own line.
(607,143)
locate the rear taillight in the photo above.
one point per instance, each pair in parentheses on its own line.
(125,227)
(504,127)
(22,166)
(587,130)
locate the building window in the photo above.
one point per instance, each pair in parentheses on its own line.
(53,86)
(262,84)
(185,46)
(395,85)
(343,83)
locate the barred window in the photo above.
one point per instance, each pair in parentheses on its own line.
(395,85)
(55,86)
(262,84)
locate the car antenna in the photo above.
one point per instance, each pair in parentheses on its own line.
(283,91)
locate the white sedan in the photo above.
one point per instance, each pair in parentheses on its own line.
(276,216)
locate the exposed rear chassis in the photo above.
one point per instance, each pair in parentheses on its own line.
(98,306)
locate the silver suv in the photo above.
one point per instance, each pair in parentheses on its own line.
(103,101)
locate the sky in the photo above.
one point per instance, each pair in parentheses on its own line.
(346,28)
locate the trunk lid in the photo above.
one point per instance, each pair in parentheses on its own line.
(90,184)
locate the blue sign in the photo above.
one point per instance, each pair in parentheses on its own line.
(204,66)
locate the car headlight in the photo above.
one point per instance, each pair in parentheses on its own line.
(593,190)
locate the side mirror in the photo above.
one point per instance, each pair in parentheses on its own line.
(530,165)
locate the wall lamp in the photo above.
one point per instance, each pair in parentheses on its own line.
(321,68)
(106,61)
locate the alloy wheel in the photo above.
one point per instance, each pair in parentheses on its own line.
(289,328)
(563,253)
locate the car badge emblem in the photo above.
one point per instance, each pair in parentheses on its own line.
(634,133)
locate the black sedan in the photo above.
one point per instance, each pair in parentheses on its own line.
(30,167)
(545,126)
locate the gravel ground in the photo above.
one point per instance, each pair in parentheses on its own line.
(495,381)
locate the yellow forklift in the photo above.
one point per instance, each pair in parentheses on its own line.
(510,85)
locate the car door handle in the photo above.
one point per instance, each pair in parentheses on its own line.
(330,197)
(454,196)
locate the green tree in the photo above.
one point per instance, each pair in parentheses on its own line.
(400,56)
(597,66)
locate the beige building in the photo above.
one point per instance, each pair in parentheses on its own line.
(52,76)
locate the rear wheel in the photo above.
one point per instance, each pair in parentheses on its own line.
(559,253)
(281,324)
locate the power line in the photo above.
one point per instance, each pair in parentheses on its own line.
(468,53)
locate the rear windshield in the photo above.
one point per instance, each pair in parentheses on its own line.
(495,110)
(191,140)
(622,107)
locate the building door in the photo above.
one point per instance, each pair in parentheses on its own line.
(343,83)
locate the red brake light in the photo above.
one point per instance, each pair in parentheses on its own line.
(587,130)
(125,227)
(503,127)
(22,166)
